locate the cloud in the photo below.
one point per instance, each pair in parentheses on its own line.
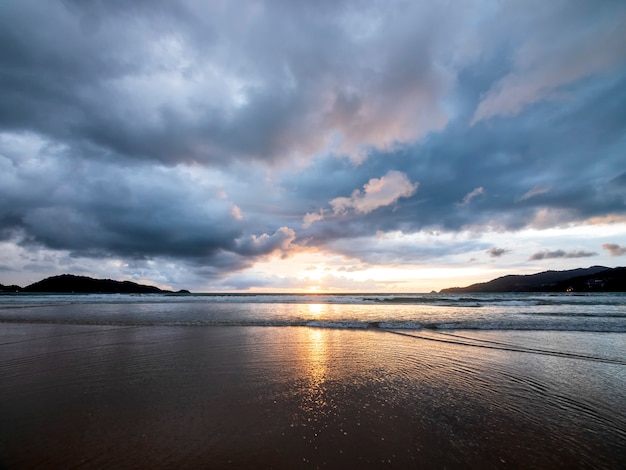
(142,213)
(543,65)
(614,249)
(236,212)
(240,83)
(497,252)
(535,191)
(251,280)
(265,244)
(376,193)
(547,254)
(396,248)
(471,196)
(312,217)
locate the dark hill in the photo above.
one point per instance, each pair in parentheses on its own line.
(68,283)
(611,280)
(593,279)
(10,288)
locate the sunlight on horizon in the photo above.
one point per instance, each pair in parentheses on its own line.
(318,272)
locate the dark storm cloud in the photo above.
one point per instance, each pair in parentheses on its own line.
(547,254)
(137,213)
(192,81)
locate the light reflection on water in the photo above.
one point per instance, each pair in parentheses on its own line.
(314,355)
(312,393)
(315,309)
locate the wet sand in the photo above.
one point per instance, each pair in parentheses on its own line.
(295,397)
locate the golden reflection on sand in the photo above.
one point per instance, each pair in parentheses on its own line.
(317,357)
(313,355)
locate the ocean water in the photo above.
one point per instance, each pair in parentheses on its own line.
(536,312)
(337,381)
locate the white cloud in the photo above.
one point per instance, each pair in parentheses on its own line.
(377,192)
(236,212)
(537,190)
(471,195)
(265,244)
(312,217)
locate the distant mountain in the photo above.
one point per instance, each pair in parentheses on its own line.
(68,283)
(593,279)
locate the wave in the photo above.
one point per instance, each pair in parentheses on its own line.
(474,300)
(504,346)
(535,312)
(599,327)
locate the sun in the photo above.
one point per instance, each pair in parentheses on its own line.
(314,289)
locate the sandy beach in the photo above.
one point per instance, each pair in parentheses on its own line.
(86,396)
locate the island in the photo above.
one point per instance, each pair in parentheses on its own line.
(592,279)
(69,283)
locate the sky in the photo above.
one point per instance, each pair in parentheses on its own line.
(328,146)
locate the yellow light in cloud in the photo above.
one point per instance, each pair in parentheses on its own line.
(316,271)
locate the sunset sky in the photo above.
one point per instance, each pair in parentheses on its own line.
(389,146)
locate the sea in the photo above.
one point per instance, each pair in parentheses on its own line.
(527,380)
(593,312)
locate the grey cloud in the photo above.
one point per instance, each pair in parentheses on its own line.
(543,65)
(196,82)
(265,244)
(619,182)
(400,252)
(497,252)
(547,254)
(614,249)
(451,165)
(136,213)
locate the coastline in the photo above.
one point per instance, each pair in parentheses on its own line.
(256,397)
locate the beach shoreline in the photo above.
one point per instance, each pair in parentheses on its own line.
(98,396)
